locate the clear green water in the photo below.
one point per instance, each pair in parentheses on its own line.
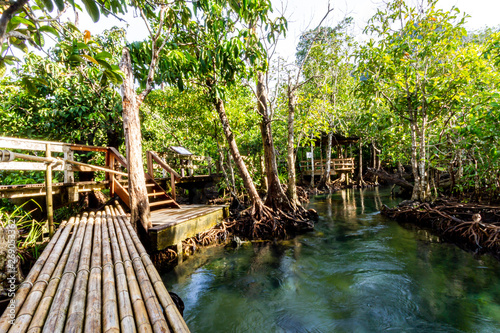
(357,272)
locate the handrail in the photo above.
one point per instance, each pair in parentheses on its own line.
(39,145)
(164,165)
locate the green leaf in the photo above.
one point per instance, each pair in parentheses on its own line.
(10,60)
(76,57)
(19,19)
(91,7)
(59,4)
(103,63)
(21,46)
(103,55)
(48,4)
(3,68)
(49,29)
(89,58)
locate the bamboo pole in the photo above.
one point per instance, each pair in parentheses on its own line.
(59,307)
(94,301)
(48,191)
(43,307)
(127,319)
(110,318)
(23,319)
(25,287)
(76,310)
(141,314)
(174,317)
(153,306)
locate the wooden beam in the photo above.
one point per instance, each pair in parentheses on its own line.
(122,192)
(165,165)
(25,144)
(48,185)
(97,168)
(28,166)
(151,170)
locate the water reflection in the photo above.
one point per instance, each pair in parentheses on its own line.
(357,272)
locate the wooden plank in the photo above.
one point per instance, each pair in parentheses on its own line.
(122,192)
(28,166)
(39,145)
(164,165)
(170,234)
(26,144)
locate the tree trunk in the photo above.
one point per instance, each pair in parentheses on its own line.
(264,185)
(328,159)
(414,161)
(312,163)
(422,163)
(360,174)
(245,175)
(276,197)
(139,204)
(292,189)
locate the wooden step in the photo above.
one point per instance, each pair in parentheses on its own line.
(161,203)
(147,185)
(155,194)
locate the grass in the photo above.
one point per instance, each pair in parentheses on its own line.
(30,230)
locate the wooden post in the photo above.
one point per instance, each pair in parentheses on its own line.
(111,177)
(69,176)
(190,165)
(151,170)
(172,184)
(48,190)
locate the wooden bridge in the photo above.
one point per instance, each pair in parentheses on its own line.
(189,220)
(94,275)
(337,165)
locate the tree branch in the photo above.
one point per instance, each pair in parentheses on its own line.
(7,16)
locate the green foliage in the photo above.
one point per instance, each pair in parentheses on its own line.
(29,229)
(63,100)
(32,25)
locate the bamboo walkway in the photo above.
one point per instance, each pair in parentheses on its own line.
(94,275)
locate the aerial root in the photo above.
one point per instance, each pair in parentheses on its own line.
(472,225)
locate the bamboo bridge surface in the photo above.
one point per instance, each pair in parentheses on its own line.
(94,275)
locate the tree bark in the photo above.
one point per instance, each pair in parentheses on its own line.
(328,158)
(414,161)
(7,16)
(139,204)
(360,174)
(276,197)
(245,175)
(292,189)
(312,163)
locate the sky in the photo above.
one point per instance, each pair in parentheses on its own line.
(306,14)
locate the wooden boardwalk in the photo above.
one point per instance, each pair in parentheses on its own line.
(94,275)
(172,226)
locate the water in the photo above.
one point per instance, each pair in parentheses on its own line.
(357,272)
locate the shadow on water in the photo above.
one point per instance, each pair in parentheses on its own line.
(357,272)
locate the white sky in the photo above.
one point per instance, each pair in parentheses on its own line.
(306,14)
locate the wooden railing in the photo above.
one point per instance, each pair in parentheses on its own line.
(13,160)
(192,164)
(152,157)
(336,165)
